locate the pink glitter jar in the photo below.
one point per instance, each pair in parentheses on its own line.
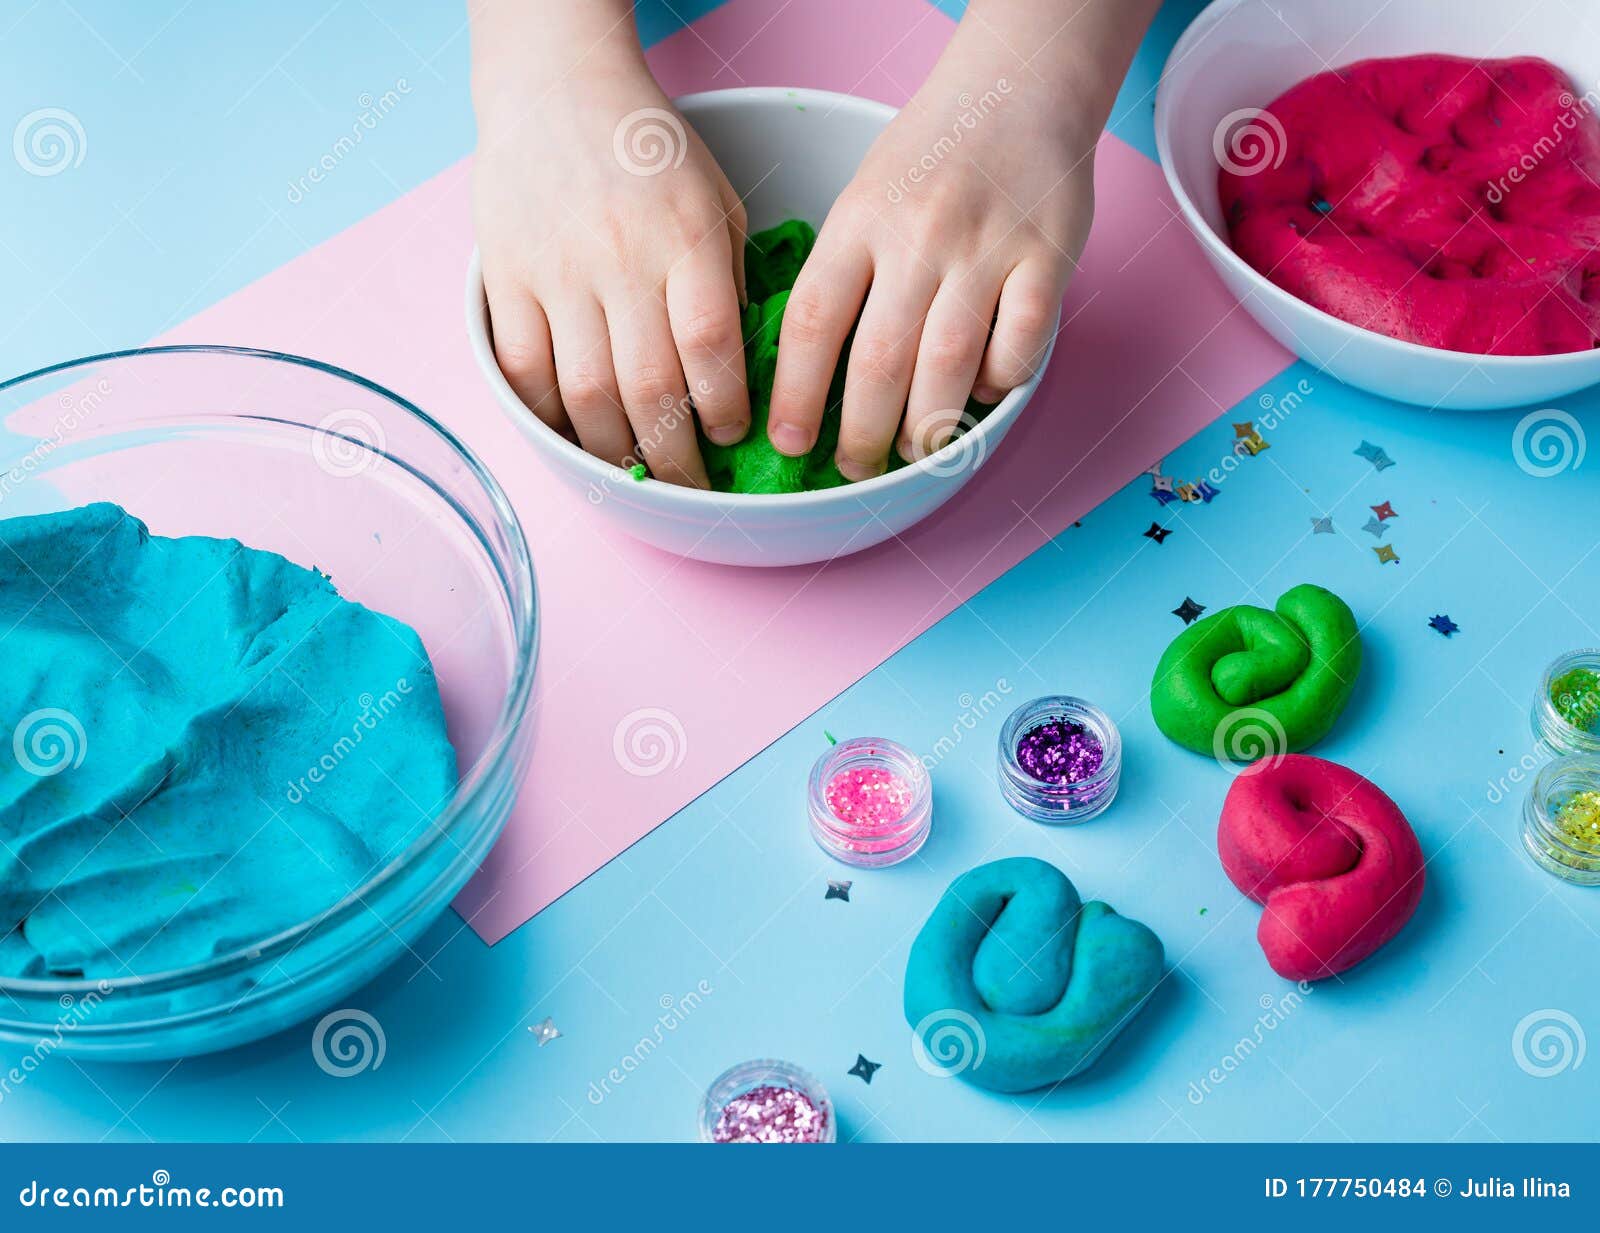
(766,1101)
(871,802)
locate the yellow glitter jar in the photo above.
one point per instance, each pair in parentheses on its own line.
(1561,820)
(1566,708)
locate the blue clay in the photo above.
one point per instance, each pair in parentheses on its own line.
(1015,983)
(209,745)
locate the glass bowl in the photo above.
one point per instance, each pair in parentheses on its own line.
(333,471)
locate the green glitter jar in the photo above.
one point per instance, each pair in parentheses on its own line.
(1561,820)
(1566,708)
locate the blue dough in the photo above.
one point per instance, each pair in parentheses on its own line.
(1015,983)
(207,745)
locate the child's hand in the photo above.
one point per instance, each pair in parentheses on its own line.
(610,244)
(972,208)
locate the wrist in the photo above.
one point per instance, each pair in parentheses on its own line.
(518,73)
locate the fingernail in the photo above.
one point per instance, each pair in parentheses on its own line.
(987,393)
(728,434)
(856,471)
(789,439)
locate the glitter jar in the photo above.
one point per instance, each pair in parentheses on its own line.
(1561,819)
(871,802)
(1566,710)
(1085,786)
(766,1101)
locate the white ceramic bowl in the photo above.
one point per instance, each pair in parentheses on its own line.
(1242,54)
(789,153)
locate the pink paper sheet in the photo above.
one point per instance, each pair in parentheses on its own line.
(1153,350)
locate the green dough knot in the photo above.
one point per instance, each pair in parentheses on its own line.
(1248,683)
(1015,982)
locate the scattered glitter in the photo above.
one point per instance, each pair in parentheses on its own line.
(1059,752)
(838,890)
(545,1031)
(1384,511)
(770,1114)
(1443,624)
(863,1069)
(869,797)
(1576,696)
(1322,526)
(1386,554)
(1157,532)
(1374,454)
(1188,610)
(1375,526)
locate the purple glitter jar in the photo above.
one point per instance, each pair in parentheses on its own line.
(1060,760)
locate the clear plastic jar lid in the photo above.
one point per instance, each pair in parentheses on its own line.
(1561,819)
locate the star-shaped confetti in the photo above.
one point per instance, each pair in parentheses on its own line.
(1206,492)
(863,1069)
(1157,532)
(1248,439)
(1375,525)
(1322,526)
(1188,610)
(1384,512)
(838,890)
(1161,483)
(1375,455)
(545,1031)
(1386,554)
(1163,496)
(1443,624)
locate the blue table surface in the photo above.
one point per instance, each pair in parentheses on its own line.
(711,941)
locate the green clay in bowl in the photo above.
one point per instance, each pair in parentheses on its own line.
(772,261)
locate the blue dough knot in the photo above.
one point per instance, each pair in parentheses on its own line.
(1015,983)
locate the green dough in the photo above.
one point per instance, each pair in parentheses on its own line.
(1015,982)
(1248,683)
(772,261)
(209,745)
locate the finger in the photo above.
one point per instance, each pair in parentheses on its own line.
(587,381)
(816,320)
(1023,326)
(523,349)
(878,377)
(738,233)
(651,382)
(953,340)
(703,309)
